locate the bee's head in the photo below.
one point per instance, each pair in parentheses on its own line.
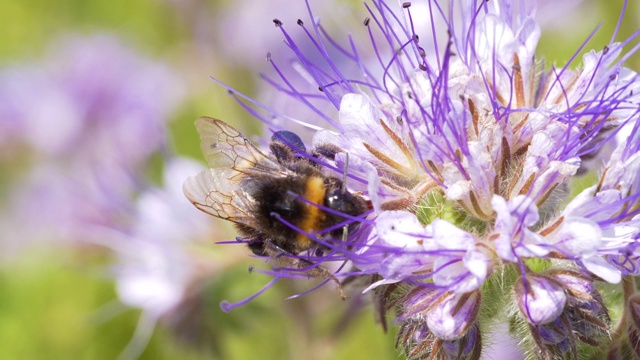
(343,201)
(286,145)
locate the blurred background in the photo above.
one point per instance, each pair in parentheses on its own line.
(101,256)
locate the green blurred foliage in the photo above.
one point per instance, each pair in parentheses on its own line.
(558,44)
(60,307)
(28,25)
(54,306)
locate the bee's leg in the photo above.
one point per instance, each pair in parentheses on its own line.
(282,152)
(257,246)
(291,141)
(327,151)
(344,172)
(281,259)
(345,229)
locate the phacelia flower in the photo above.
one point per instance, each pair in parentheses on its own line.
(467,147)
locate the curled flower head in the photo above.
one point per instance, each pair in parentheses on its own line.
(464,145)
(439,325)
(577,313)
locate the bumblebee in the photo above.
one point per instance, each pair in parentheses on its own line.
(280,204)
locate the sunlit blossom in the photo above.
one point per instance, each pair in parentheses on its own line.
(467,146)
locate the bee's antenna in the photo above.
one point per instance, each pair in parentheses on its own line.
(345,229)
(344,172)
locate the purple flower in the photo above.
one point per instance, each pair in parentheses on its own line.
(466,145)
(512,237)
(250,31)
(92,93)
(81,127)
(155,267)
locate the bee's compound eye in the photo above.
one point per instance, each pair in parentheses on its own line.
(289,139)
(342,201)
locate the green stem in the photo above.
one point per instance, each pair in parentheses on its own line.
(628,288)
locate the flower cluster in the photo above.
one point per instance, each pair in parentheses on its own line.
(472,152)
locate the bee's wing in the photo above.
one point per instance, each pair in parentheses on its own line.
(236,167)
(213,192)
(225,147)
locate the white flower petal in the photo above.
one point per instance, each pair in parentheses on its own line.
(600,267)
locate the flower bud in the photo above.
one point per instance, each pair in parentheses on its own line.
(439,326)
(540,299)
(583,318)
(467,347)
(454,313)
(585,309)
(554,332)
(419,343)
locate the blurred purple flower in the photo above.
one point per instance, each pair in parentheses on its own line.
(157,268)
(93,94)
(80,127)
(251,31)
